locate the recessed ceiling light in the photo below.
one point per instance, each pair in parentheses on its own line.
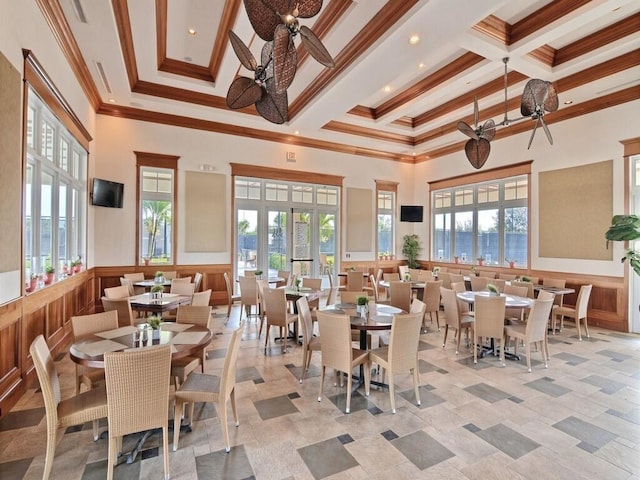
(421,65)
(192,32)
(188,59)
(616,9)
(468,83)
(568,102)
(387,89)
(414,39)
(112,100)
(297,132)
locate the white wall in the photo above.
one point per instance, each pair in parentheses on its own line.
(580,141)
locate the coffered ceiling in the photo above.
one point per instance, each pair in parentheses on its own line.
(385,97)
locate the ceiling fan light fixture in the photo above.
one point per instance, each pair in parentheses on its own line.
(192,32)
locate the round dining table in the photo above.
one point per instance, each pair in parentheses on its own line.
(512,301)
(185,339)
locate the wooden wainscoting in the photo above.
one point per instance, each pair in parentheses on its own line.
(47,311)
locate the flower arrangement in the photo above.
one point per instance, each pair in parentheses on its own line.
(154,321)
(493,289)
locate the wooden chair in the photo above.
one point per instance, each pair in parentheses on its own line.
(351,297)
(507,276)
(454,317)
(511,313)
(402,352)
(219,390)
(116,292)
(137,396)
(431,299)
(402,271)
(445,278)
(85,407)
(535,330)
(122,306)
(310,343)
(489,323)
(315,284)
(170,275)
(391,277)
(337,352)
(578,313)
(286,276)
(83,326)
(231,298)
(400,295)
(278,315)
(262,286)
(182,367)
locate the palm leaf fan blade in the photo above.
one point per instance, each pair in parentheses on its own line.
(243,92)
(285,58)
(308,8)
(315,47)
(551,103)
(546,130)
(273,106)
(467,130)
(242,52)
(489,130)
(477,152)
(527,102)
(263,17)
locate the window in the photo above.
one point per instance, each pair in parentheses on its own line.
(156,214)
(55,190)
(386,207)
(486,220)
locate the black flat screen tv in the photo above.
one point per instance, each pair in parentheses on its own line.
(106,193)
(411,213)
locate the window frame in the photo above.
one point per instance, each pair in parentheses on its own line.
(386,188)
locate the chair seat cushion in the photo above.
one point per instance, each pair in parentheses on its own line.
(182,367)
(83,408)
(199,387)
(314,343)
(517,330)
(566,311)
(380,354)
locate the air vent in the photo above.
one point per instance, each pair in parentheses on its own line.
(77,6)
(103,77)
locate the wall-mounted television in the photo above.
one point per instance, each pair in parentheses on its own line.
(106,193)
(411,213)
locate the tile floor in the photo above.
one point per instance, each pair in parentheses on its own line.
(579,419)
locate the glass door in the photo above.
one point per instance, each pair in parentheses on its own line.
(247,241)
(327,245)
(302,258)
(277,242)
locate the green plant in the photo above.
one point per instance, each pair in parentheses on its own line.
(524,278)
(258,273)
(159,274)
(363,300)
(626,228)
(157,288)
(154,321)
(480,259)
(411,248)
(492,288)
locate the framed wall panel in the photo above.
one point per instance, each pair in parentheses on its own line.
(359,222)
(205,212)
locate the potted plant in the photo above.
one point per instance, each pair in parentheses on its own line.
(480,261)
(493,289)
(512,263)
(146,260)
(33,282)
(361,305)
(154,322)
(626,228)
(50,273)
(158,277)
(435,271)
(258,274)
(524,278)
(76,264)
(411,248)
(456,259)
(156,291)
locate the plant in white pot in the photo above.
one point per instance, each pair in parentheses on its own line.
(626,228)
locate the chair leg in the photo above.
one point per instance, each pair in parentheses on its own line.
(586,327)
(367,377)
(177,417)
(165,450)
(503,346)
(446,331)
(459,334)
(349,381)
(528,353)
(51,450)
(475,348)
(221,405)
(321,382)
(111,460)
(94,428)
(545,352)
(577,320)
(304,363)
(416,383)
(392,391)
(234,406)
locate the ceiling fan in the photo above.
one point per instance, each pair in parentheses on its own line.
(538,97)
(259,90)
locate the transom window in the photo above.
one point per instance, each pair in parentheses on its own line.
(487,221)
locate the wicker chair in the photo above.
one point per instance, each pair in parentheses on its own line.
(201,299)
(182,367)
(400,295)
(170,275)
(125,282)
(578,313)
(122,306)
(249,296)
(431,299)
(455,318)
(231,298)
(479,284)
(402,352)
(355,281)
(86,407)
(262,286)
(117,292)
(337,352)
(210,388)
(83,326)
(135,277)
(183,288)
(275,303)
(310,343)
(137,396)
(535,330)
(197,280)
(489,315)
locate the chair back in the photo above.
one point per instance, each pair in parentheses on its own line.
(529,286)
(122,306)
(455,278)
(85,325)
(391,277)
(332,297)
(170,275)
(507,276)
(355,281)
(351,297)
(228,376)
(403,270)
(486,274)
(415,273)
(201,299)
(181,280)
(583,301)
(335,332)
(275,305)
(134,277)
(451,310)
(249,273)
(498,283)
(419,307)
(517,290)
(556,283)
(194,315)
(379,276)
(458,287)
(431,296)
(403,340)
(374,287)
(227,284)
(306,322)
(538,320)
(183,288)
(125,282)
(489,314)
(313,283)
(286,276)
(197,279)
(544,295)
(262,286)
(248,290)
(400,295)
(445,277)
(48,378)
(137,389)
(116,292)
(479,284)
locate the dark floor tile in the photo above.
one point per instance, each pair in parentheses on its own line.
(15,469)
(293,395)
(471,427)
(487,392)
(122,471)
(425,346)
(203,411)
(312,372)
(248,373)
(427,398)
(275,407)
(548,387)
(422,450)
(584,431)
(632,416)
(607,386)
(516,399)
(508,440)
(375,411)
(587,447)
(389,435)
(616,356)
(327,458)
(344,439)
(221,465)
(571,359)
(22,418)
(149,453)
(358,402)
(217,353)
(481,365)
(426,367)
